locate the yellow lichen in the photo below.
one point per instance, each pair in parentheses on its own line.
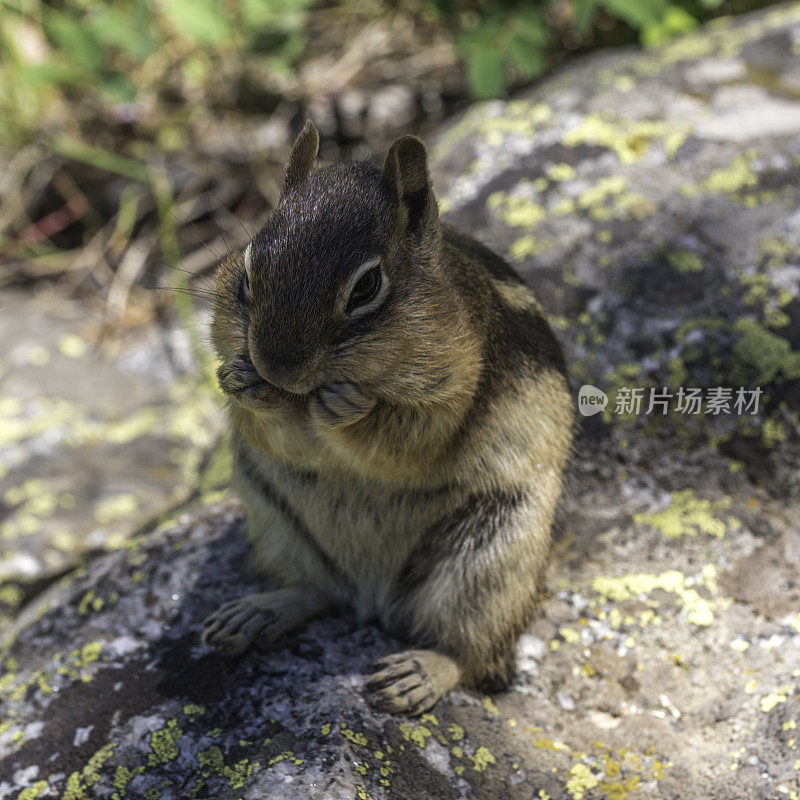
(700,611)
(351,736)
(560,172)
(727,180)
(581,780)
(456,731)
(117,507)
(516,210)
(687,515)
(419,735)
(78,783)
(629,140)
(164,743)
(769,701)
(32,792)
(72,346)
(489,705)
(482,759)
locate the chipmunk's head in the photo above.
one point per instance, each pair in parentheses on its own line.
(343,283)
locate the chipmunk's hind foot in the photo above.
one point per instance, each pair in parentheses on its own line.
(258,619)
(413,681)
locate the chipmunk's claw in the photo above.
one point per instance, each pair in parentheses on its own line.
(234,626)
(411,682)
(259,618)
(340,404)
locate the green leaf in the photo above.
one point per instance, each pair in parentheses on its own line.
(48,73)
(119,88)
(676,22)
(285,14)
(636,13)
(527,58)
(486,73)
(202,21)
(75,40)
(584,15)
(530,26)
(114,28)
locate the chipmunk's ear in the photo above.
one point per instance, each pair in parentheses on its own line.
(301,156)
(406,174)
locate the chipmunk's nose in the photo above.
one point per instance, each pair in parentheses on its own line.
(293,371)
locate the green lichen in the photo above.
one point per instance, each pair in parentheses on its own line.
(32,792)
(212,761)
(11,595)
(164,744)
(78,783)
(686,261)
(90,601)
(773,432)
(239,773)
(763,353)
(122,777)
(75,666)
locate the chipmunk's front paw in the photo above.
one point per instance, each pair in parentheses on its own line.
(260,618)
(340,404)
(413,681)
(240,379)
(233,627)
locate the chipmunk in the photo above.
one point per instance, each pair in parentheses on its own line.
(401,420)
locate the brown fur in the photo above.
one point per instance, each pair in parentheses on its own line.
(404,459)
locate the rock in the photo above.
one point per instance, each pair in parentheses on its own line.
(651,199)
(94,438)
(664,660)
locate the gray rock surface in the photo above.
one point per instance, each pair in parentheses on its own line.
(656,194)
(97,434)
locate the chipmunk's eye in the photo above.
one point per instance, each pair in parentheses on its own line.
(366,288)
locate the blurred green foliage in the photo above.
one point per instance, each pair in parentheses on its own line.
(501,42)
(121,51)
(126,51)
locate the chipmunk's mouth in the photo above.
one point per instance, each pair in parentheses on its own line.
(301,387)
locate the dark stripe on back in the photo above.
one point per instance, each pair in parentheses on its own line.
(467,530)
(273,496)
